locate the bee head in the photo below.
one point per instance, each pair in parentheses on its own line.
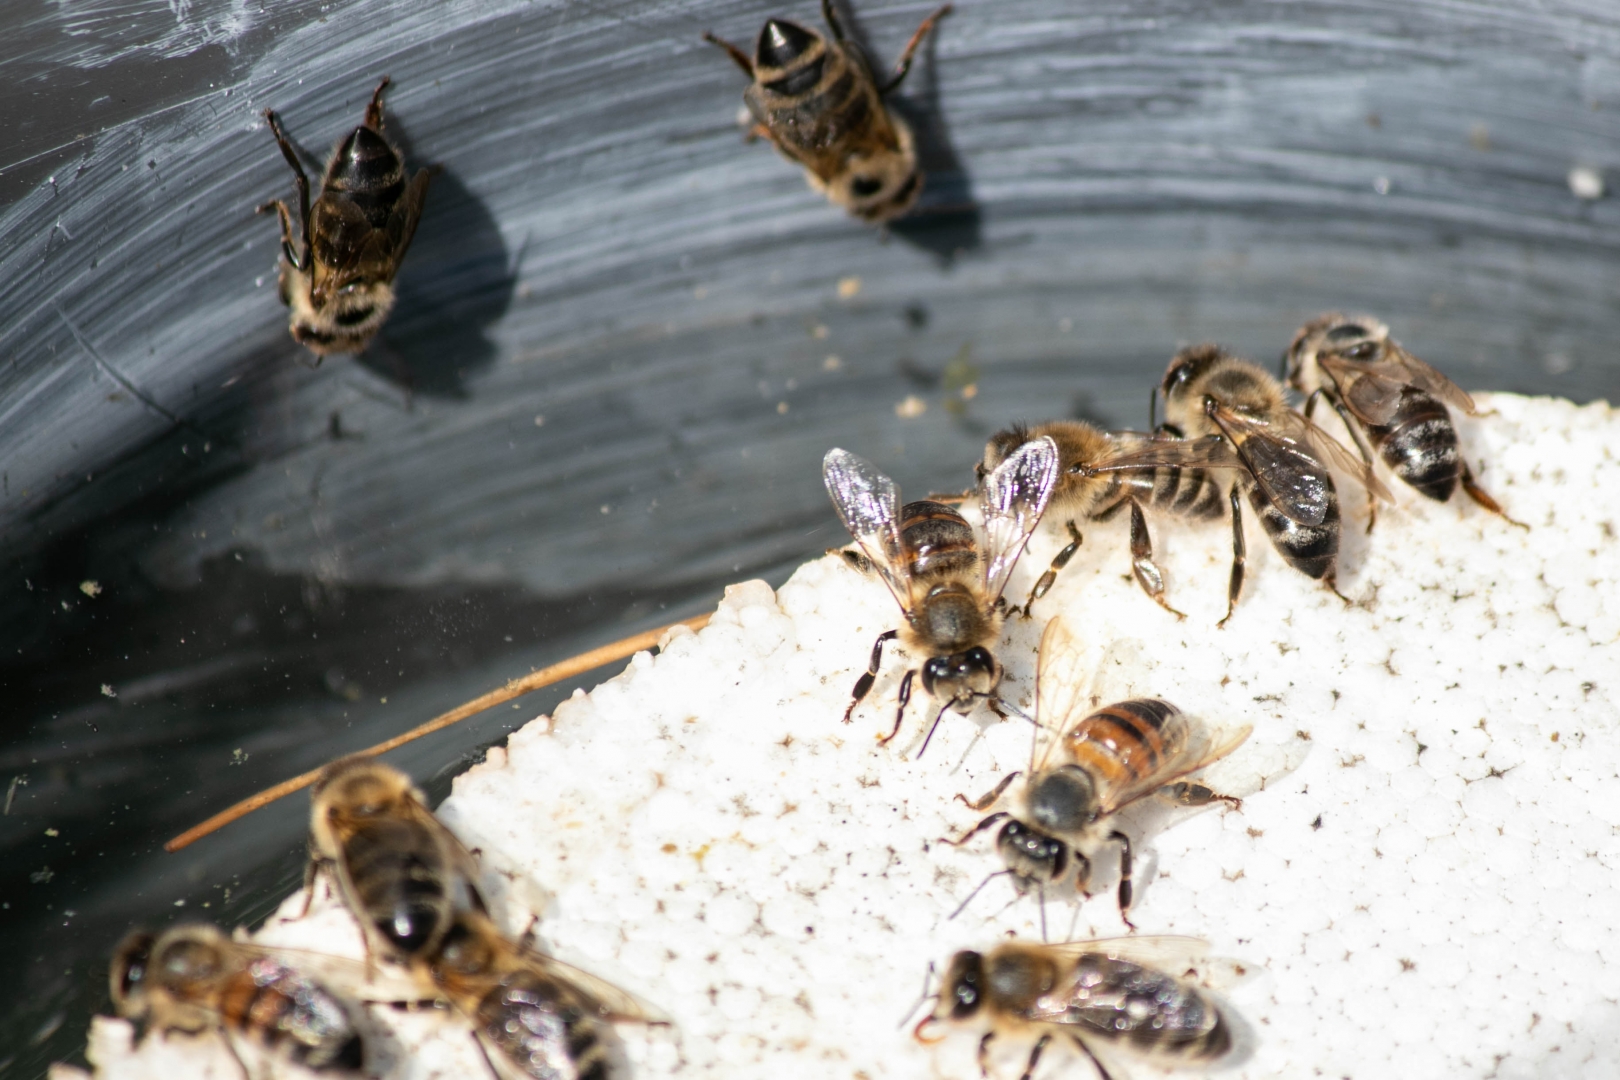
(343,320)
(361,787)
(1000,448)
(1347,337)
(1032,856)
(1187,366)
(127,978)
(962,993)
(880,184)
(962,677)
(1062,800)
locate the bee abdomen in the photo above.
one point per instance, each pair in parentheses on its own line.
(369,172)
(1127,738)
(936,540)
(1420,445)
(1313,550)
(1190,493)
(542,1031)
(400,890)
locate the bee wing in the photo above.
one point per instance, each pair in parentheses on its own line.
(1208,452)
(1431,381)
(1203,747)
(1295,482)
(1014,497)
(1169,953)
(609,1001)
(1335,453)
(347,976)
(868,503)
(1058,684)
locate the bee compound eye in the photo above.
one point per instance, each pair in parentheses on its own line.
(864,187)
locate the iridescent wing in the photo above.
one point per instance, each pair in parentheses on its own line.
(608,1001)
(1189,746)
(1171,953)
(1058,685)
(1373,390)
(868,503)
(1336,454)
(1013,498)
(1208,452)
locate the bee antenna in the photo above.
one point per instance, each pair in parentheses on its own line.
(963,905)
(928,978)
(937,718)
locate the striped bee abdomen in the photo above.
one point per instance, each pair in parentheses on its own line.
(543,1029)
(397,876)
(1420,445)
(935,540)
(1313,550)
(1126,1002)
(286,1009)
(1127,739)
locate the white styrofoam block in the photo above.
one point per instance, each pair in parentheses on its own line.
(1425,872)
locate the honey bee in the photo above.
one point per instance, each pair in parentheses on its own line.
(817,101)
(1229,413)
(542,1018)
(1390,398)
(399,870)
(1088,492)
(338,280)
(1106,996)
(1101,763)
(194,979)
(949,589)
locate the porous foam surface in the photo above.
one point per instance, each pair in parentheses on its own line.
(1423,879)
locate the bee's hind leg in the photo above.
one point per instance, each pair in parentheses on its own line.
(1483,499)
(1035,1056)
(1059,561)
(863,685)
(1187,793)
(1147,571)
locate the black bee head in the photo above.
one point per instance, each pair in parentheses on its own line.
(1063,799)
(963,990)
(782,42)
(1352,341)
(962,677)
(1033,857)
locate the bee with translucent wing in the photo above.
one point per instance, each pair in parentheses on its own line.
(817,102)
(1101,762)
(1228,412)
(948,585)
(536,1017)
(1389,398)
(1138,997)
(338,279)
(1086,490)
(194,979)
(400,872)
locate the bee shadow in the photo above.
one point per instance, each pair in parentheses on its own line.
(456,281)
(946,222)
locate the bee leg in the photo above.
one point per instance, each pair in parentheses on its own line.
(1035,1056)
(483,1053)
(1102,1072)
(301,179)
(900,713)
(1147,572)
(976,830)
(374,113)
(990,796)
(864,684)
(287,250)
(1330,579)
(984,1053)
(737,55)
(830,13)
(902,68)
(1059,561)
(1191,794)
(236,1056)
(1479,496)
(1234,587)
(1125,889)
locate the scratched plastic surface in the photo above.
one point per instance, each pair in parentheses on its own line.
(625,339)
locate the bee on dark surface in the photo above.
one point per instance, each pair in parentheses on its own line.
(194,979)
(338,279)
(1229,413)
(1101,762)
(541,1017)
(1389,398)
(401,873)
(817,102)
(1086,491)
(948,586)
(1133,996)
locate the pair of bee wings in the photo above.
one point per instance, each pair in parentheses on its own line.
(1060,704)
(1288,459)
(1372,390)
(352,249)
(1013,498)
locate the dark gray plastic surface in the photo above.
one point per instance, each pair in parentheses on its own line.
(608,387)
